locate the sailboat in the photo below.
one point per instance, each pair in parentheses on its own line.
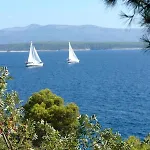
(33,59)
(72,56)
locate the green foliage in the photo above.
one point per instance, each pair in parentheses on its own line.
(133,142)
(52,140)
(3,146)
(147,139)
(14,134)
(136,144)
(49,107)
(91,136)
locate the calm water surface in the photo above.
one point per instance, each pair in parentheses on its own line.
(114,85)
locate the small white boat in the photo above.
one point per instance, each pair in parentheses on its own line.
(72,56)
(33,59)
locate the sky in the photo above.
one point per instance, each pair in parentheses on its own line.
(19,13)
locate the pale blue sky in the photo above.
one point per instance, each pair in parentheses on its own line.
(71,12)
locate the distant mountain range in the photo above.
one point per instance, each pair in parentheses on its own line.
(84,33)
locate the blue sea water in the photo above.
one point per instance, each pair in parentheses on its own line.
(113,84)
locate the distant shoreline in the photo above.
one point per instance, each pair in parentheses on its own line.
(118,49)
(10,51)
(77,46)
(126,49)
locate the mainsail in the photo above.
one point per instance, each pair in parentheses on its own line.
(72,55)
(36,56)
(31,58)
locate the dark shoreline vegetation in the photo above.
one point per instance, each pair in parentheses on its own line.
(46,123)
(75,45)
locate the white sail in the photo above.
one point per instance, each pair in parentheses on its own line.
(72,55)
(31,58)
(36,56)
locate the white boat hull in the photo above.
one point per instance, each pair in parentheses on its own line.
(34,64)
(72,62)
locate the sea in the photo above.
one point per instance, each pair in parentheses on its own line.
(112,84)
